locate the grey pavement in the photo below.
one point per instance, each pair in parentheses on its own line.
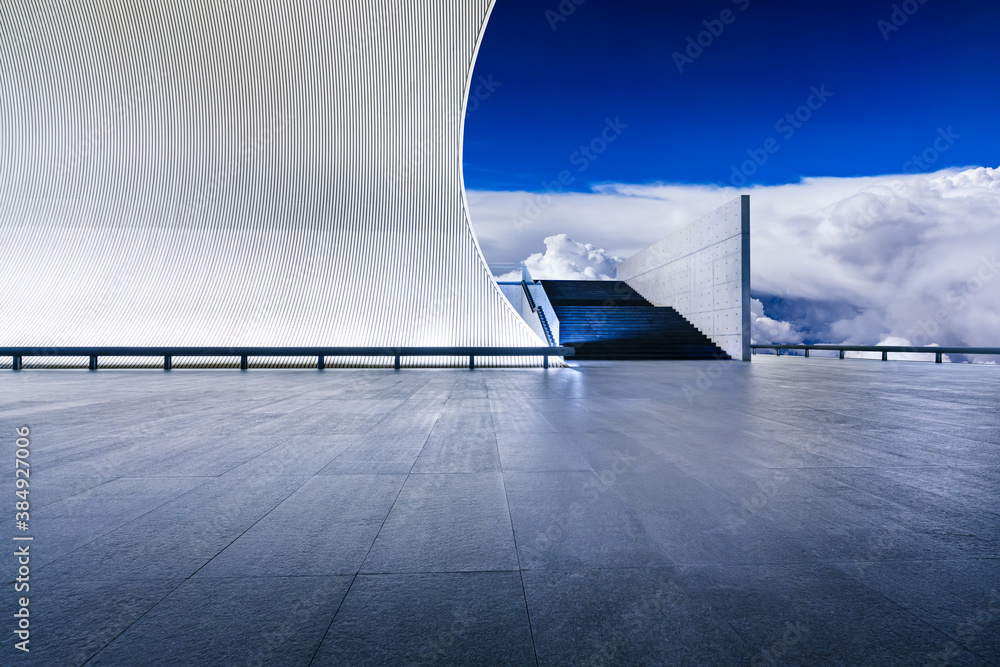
(785,511)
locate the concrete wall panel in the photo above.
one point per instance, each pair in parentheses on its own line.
(703,271)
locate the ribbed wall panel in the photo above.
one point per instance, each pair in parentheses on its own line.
(230,173)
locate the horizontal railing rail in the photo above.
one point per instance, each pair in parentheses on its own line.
(244,353)
(502,268)
(884,349)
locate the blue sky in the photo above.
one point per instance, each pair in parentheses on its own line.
(693,119)
(865,133)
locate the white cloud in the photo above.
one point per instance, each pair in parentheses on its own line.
(767,331)
(566,259)
(916,255)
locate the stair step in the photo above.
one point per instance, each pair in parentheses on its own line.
(607,319)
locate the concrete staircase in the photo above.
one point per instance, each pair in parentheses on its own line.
(605,319)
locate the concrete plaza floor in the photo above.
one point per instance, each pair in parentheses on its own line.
(786,511)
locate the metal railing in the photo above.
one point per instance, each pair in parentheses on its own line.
(884,349)
(244,353)
(509,267)
(537,310)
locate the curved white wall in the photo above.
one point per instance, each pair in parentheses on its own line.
(238,173)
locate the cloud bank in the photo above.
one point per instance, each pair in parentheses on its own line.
(911,257)
(763,329)
(566,259)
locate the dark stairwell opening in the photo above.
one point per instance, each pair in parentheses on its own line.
(607,319)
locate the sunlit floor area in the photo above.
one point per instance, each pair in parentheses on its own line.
(784,511)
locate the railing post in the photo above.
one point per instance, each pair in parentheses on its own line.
(451,352)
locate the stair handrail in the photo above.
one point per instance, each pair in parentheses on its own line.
(545,326)
(544,305)
(527,293)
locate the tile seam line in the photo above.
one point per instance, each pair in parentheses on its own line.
(913,560)
(513,534)
(107,481)
(638,568)
(372,545)
(910,485)
(384,520)
(770,522)
(746,642)
(366,432)
(895,504)
(280,443)
(190,576)
(136,518)
(406,573)
(322,639)
(911,613)
(928,429)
